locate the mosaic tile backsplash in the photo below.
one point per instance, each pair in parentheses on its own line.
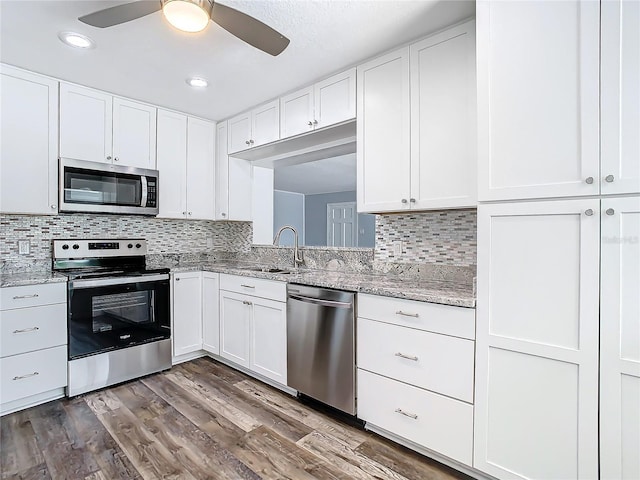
(446,237)
(163,235)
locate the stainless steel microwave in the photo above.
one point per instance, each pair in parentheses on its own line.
(96,187)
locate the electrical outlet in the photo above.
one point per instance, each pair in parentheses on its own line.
(24,247)
(397,248)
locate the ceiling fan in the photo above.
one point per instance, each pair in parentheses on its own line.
(194,16)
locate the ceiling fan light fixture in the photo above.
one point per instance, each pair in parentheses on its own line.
(187,15)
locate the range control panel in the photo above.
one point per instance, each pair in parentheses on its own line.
(75,248)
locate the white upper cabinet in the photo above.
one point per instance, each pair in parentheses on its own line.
(443,120)
(222,172)
(29,145)
(257,127)
(416,126)
(330,101)
(134,134)
(186,162)
(620,97)
(538,99)
(98,127)
(233,180)
(383,133)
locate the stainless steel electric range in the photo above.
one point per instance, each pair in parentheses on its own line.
(118,312)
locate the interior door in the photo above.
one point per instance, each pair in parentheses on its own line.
(342,225)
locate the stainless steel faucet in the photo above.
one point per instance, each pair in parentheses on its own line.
(297,258)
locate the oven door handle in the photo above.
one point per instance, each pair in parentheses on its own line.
(105,282)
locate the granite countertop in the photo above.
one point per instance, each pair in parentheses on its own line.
(30,278)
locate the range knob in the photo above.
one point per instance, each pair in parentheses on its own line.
(138,245)
(130,245)
(76,246)
(65,247)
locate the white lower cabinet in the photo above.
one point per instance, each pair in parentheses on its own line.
(253,329)
(33,345)
(415,373)
(210,312)
(187,313)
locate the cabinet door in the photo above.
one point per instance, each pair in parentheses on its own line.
(538,112)
(210,312)
(240,194)
(201,151)
(335,99)
(172,164)
(269,339)
(222,173)
(443,120)
(29,146)
(536,405)
(239,133)
(235,314)
(134,134)
(383,133)
(187,313)
(265,124)
(296,113)
(620,97)
(85,124)
(620,340)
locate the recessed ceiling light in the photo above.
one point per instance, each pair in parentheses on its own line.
(197,82)
(76,40)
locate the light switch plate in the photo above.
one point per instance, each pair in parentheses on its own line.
(24,247)
(397,248)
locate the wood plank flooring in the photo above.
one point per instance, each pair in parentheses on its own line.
(199,420)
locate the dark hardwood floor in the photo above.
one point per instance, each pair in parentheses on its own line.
(199,420)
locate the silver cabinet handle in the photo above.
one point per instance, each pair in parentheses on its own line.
(177,279)
(20,377)
(247,286)
(53,207)
(190,213)
(247,142)
(251,142)
(116,159)
(315,122)
(588,212)
(406,414)
(184,213)
(404,200)
(27,330)
(412,200)
(246,303)
(588,180)
(109,157)
(224,214)
(609,178)
(400,312)
(22,297)
(310,123)
(408,357)
(610,211)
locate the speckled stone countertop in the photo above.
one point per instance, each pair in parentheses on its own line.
(30,278)
(433,291)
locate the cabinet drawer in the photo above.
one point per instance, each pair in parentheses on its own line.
(27,329)
(436,362)
(438,423)
(258,287)
(433,317)
(33,295)
(17,379)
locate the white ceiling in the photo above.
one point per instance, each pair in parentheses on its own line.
(336,174)
(146,59)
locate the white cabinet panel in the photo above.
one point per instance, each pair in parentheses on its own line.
(134,134)
(265,123)
(620,97)
(620,340)
(187,313)
(235,316)
(383,133)
(29,146)
(262,205)
(222,173)
(239,132)
(296,112)
(256,287)
(85,124)
(538,132)
(172,164)
(27,329)
(443,119)
(269,339)
(210,313)
(239,189)
(335,99)
(201,139)
(537,340)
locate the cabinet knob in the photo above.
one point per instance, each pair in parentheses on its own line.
(184,213)
(588,212)
(404,200)
(247,142)
(109,158)
(610,211)
(412,200)
(609,178)
(315,122)
(190,213)
(589,180)
(116,159)
(246,303)
(251,142)
(53,207)
(310,123)
(224,214)
(177,279)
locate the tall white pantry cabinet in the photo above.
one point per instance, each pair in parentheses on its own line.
(558,311)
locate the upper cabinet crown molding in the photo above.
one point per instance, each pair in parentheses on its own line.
(98,127)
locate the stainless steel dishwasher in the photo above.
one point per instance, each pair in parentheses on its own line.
(321,360)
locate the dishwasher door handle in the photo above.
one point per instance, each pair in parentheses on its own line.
(318,301)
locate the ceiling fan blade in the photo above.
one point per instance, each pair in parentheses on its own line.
(248,29)
(121,13)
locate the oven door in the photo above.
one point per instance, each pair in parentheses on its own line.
(116,312)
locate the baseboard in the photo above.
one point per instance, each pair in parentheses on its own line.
(31,401)
(188,356)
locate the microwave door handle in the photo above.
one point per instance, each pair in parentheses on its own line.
(143,181)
